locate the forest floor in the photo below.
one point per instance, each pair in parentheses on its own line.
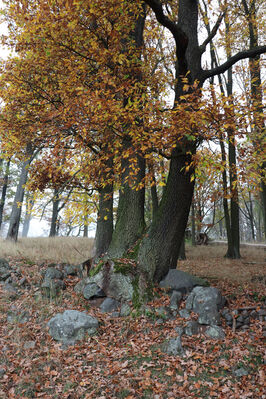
(124,359)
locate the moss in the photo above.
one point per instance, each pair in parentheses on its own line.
(132,253)
(96,269)
(122,267)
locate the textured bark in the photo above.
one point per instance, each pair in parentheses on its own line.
(85,229)
(54,221)
(256,94)
(4,190)
(104,230)
(130,222)
(182,251)
(160,247)
(19,196)
(193,227)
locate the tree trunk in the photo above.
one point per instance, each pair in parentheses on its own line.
(130,222)
(193,227)
(85,229)
(27,219)
(104,230)
(159,248)
(182,251)
(19,196)
(4,190)
(54,221)
(256,94)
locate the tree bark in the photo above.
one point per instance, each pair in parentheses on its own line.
(104,230)
(159,248)
(19,196)
(54,221)
(4,190)
(256,95)
(27,219)
(193,227)
(130,222)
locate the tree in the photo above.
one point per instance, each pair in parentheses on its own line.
(106,94)
(19,196)
(4,190)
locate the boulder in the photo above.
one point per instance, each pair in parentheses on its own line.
(72,326)
(52,287)
(192,328)
(5,270)
(180,281)
(115,284)
(53,273)
(92,290)
(175,300)
(206,301)
(125,310)
(173,346)
(109,305)
(215,332)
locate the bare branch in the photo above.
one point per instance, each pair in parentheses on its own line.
(212,33)
(233,60)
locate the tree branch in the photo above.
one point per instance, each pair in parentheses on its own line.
(212,33)
(232,60)
(157,8)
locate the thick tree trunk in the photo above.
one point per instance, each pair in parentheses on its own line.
(4,190)
(130,222)
(182,251)
(19,196)
(159,248)
(104,230)
(54,220)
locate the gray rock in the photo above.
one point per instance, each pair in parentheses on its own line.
(72,326)
(109,305)
(192,328)
(184,313)
(180,281)
(209,315)
(5,271)
(53,273)
(92,290)
(79,287)
(175,300)
(125,310)
(173,346)
(10,289)
(72,270)
(206,301)
(240,372)
(115,285)
(215,332)
(51,287)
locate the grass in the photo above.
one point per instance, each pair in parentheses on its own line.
(124,359)
(57,249)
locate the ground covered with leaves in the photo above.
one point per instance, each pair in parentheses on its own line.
(124,359)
